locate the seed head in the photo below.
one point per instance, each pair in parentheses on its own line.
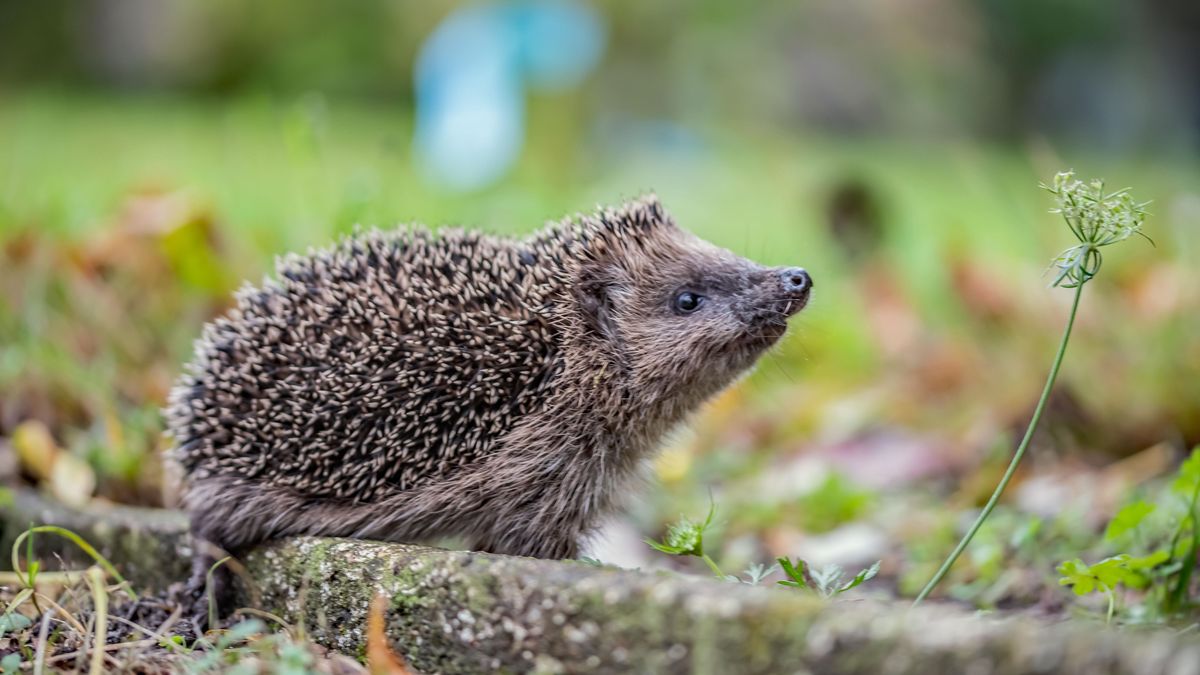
(1096,219)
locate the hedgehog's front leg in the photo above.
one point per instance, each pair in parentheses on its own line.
(209,590)
(228,518)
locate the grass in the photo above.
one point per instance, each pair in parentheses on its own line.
(77,619)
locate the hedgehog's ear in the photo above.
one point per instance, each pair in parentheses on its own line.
(594,293)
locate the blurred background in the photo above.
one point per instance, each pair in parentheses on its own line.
(155,153)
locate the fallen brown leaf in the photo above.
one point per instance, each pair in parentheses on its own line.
(380,658)
(69,478)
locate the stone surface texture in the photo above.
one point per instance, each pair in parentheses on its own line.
(461,612)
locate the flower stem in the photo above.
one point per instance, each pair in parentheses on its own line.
(1012,466)
(713,566)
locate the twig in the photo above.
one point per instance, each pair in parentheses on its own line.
(43,578)
(267,615)
(137,626)
(247,580)
(95,577)
(67,616)
(117,646)
(39,660)
(157,637)
(170,622)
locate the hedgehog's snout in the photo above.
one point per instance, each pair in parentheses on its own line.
(795,280)
(794,286)
(774,295)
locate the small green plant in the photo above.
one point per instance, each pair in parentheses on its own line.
(1106,575)
(34,566)
(827,581)
(1169,531)
(685,537)
(757,572)
(1097,219)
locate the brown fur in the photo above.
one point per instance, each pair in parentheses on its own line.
(403,386)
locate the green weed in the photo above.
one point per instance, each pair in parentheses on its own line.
(827,581)
(1164,537)
(686,538)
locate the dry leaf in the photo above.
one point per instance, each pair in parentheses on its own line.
(35,448)
(70,479)
(380,659)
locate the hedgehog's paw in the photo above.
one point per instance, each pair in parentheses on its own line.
(208,595)
(191,601)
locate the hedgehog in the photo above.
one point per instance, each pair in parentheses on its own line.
(410,386)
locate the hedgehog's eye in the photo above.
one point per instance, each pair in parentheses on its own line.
(687,302)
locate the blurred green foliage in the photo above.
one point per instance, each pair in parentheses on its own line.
(833,503)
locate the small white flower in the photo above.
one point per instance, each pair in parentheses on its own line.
(1096,219)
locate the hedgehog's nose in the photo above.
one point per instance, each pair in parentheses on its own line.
(795,280)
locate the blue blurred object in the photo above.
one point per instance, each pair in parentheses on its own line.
(471,76)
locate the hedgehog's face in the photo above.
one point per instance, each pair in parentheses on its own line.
(685,316)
